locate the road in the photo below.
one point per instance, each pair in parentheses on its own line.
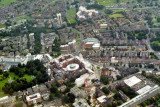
(78,50)
(157,53)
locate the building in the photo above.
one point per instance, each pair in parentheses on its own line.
(132,81)
(84,14)
(91,43)
(102,99)
(122,48)
(123,96)
(67,67)
(103,26)
(81,80)
(78,93)
(80,103)
(59,18)
(69,47)
(143,87)
(140,48)
(33,99)
(142,97)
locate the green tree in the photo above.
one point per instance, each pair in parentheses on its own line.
(104,80)
(105,90)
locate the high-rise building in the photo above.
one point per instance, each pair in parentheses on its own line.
(59,18)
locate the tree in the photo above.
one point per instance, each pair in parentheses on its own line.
(118,1)
(104,80)
(105,90)
(108,11)
(158,19)
(119,77)
(52,96)
(88,1)
(139,1)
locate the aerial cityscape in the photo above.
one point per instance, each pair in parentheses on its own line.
(79,53)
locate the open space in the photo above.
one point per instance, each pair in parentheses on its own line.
(116,15)
(71,12)
(71,20)
(6,2)
(2,25)
(110,2)
(13,76)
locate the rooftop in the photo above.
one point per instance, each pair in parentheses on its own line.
(132,81)
(91,40)
(144,89)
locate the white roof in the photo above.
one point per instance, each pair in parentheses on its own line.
(81,8)
(33,97)
(132,81)
(4,98)
(50,58)
(104,24)
(144,89)
(97,45)
(90,43)
(102,99)
(38,57)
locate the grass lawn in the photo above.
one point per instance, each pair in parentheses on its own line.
(19,104)
(116,15)
(6,2)
(156,42)
(2,94)
(118,10)
(106,2)
(2,25)
(12,75)
(100,30)
(110,2)
(71,20)
(71,12)
(20,18)
(78,40)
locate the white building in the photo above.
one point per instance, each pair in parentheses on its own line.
(132,81)
(83,13)
(103,26)
(81,80)
(33,99)
(102,99)
(59,18)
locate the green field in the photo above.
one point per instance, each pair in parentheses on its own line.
(118,10)
(116,15)
(2,25)
(12,75)
(110,2)
(6,2)
(71,20)
(71,12)
(156,42)
(20,18)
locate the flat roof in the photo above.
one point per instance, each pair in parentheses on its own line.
(91,40)
(102,99)
(97,45)
(132,81)
(33,97)
(144,89)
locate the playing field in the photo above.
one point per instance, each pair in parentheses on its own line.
(71,20)
(116,15)
(6,2)
(71,12)
(110,2)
